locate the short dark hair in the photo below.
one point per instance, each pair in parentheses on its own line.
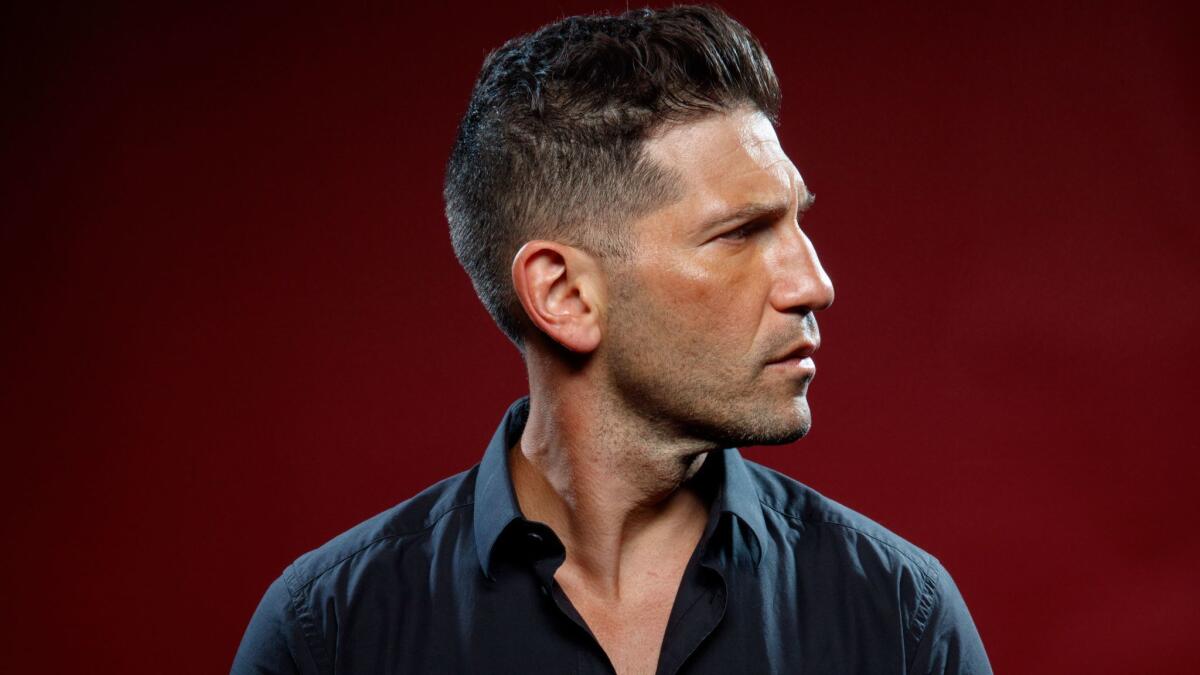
(551,144)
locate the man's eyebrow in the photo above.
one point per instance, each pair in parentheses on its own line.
(758,210)
(748,212)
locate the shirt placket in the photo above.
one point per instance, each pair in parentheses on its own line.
(592,660)
(699,609)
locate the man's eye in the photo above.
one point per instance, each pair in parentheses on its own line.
(739,233)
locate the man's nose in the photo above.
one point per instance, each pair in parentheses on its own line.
(800,283)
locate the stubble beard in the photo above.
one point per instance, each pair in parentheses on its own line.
(681,390)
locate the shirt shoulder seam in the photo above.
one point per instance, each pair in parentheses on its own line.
(311,640)
(920,620)
(398,535)
(923,566)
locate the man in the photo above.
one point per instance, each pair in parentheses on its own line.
(621,202)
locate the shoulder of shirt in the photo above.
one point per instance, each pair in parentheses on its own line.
(409,519)
(802,507)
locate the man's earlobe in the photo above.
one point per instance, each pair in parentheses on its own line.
(559,288)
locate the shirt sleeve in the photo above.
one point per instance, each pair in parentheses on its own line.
(274,642)
(950,643)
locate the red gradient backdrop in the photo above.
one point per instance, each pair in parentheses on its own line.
(233,324)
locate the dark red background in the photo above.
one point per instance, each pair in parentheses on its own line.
(234,325)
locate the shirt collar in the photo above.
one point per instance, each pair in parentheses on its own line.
(738,495)
(496,500)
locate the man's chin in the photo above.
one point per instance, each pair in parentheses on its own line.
(794,425)
(783,437)
(778,429)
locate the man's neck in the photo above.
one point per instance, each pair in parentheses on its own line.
(619,499)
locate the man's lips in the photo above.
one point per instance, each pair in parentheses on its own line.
(801,352)
(798,360)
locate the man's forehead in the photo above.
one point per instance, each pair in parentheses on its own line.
(726,161)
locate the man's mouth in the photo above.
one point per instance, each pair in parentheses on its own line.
(800,352)
(798,359)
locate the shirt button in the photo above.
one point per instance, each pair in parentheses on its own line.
(545,590)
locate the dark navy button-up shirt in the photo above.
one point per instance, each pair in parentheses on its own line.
(456,580)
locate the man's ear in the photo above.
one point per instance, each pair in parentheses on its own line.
(561,289)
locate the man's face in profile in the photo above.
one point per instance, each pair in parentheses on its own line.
(711,322)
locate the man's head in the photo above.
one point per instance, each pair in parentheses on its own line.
(552,144)
(710,323)
(642,214)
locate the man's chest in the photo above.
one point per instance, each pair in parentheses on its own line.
(520,623)
(630,633)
